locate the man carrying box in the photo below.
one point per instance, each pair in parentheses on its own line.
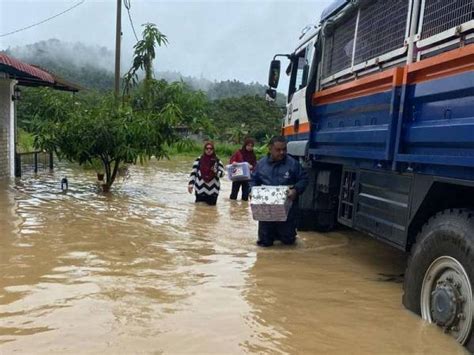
(277,169)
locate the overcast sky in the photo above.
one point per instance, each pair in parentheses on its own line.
(217,40)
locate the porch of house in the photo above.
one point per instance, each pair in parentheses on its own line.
(13,74)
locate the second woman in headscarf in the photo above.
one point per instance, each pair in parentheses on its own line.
(244,154)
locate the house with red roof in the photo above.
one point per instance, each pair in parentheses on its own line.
(14,74)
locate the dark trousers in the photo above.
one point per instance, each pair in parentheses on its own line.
(268,232)
(235,190)
(285,232)
(209,199)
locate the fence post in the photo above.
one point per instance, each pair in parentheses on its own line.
(51,165)
(36,162)
(17,165)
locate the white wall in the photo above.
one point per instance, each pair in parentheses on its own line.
(7,128)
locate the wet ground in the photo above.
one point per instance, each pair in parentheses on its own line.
(145,270)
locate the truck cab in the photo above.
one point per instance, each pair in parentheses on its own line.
(301,72)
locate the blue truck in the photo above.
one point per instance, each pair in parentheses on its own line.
(381,112)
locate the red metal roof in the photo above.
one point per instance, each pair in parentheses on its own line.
(26,68)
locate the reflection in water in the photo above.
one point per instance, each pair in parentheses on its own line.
(146,270)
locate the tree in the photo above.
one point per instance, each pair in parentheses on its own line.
(246,115)
(143,56)
(237,133)
(85,131)
(109,131)
(193,104)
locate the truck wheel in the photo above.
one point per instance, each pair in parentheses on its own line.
(440,273)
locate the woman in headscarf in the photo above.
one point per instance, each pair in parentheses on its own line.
(244,154)
(204,178)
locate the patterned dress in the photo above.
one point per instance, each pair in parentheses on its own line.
(206,191)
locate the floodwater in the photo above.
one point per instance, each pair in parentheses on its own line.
(145,270)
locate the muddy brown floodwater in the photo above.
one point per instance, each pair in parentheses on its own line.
(145,270)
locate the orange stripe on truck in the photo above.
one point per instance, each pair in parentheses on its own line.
(372,84)
(446,64)
(290,130)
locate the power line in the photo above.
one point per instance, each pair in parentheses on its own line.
(41,22)
(128,6)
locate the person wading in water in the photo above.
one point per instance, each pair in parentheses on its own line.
(204,178)
(277,169)
(245,154)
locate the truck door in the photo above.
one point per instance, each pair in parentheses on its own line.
(295,125)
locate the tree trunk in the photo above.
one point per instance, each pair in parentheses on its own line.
(110,173)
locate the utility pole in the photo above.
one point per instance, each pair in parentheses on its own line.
(118,38)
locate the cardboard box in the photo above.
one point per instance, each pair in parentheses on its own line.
(270,203)
(238,171)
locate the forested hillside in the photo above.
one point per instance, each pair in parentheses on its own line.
(91,67)
(227,110)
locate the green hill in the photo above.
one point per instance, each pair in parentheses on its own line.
(233,109)
(92,68)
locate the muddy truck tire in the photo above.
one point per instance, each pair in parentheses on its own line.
(440,274)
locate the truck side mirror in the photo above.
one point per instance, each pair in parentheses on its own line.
(274,74)
(271,94)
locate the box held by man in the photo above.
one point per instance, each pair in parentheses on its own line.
(270,203)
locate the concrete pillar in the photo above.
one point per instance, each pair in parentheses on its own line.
(7,128)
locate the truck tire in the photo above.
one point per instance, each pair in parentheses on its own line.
(439,277)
